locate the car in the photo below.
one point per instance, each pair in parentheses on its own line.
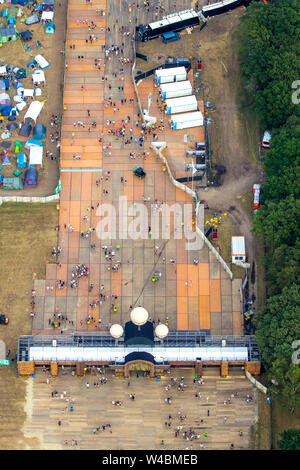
(3,320)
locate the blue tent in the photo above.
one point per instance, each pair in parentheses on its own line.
(31,177)
(21,160)
(26,129)
(21,73)
(5,160)
(32,142)
(5,111)
(39,132)
(16,84)
(50,28)
(19,2)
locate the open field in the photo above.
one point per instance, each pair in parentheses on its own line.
(27,236)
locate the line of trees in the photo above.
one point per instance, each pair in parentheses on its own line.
(269,51)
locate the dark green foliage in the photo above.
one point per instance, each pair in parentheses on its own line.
(290,440)
(269,51)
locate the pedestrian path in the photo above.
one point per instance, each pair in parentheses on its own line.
(141,423)
(97,170)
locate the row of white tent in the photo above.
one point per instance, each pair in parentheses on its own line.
(180,103)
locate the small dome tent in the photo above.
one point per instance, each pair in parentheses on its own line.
(39,132)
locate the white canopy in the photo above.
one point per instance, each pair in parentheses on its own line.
(28,92)
(47,15)
(34,110)
(41,61)
(36,156)
(38,76)
(20,106)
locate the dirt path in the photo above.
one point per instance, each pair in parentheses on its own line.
(233,140)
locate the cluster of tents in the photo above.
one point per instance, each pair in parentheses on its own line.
(42,13)
(35,148)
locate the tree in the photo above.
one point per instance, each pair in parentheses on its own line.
(278,222)
(285,377)
(278,325)
(290,440)
(282,270)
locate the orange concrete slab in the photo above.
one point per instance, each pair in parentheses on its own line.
(204,312)
(215,295)
(182,305)
(204,287)
(203,271)
(182,322)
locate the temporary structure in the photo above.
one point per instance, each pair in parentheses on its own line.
(47,16)
(50,28)
(31,177)
(41,61)
(38,77)
(36,156)
(186,120)
(8,34)
(34,110)
(173,74)
(181,104)
(238,251)
(173,90)
(39,132)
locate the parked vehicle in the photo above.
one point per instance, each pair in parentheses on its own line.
(3,320)
(266,140)
(170,37)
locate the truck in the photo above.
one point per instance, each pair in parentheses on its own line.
(181,105)
(176,89)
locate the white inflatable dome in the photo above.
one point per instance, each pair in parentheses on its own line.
(139,316)
(161,331)
(116,330)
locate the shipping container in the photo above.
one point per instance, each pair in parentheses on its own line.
(182,104)
(184,121)
(176,89)
(174,74)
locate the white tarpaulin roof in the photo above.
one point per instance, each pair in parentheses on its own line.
(34,110)
(36,156)
(28,92)
(38,76)
(119,353)
(47,15)
(41,61)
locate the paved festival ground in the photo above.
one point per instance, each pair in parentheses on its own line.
(192,297)
(140,424)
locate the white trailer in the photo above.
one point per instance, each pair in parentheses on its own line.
(238,251)
(176,89)
(174,74)
(182,104)
(186,120)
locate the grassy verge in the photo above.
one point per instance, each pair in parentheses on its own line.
(27,236)
(261,431)
(282,420)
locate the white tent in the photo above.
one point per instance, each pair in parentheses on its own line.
(36,155)
(34,110)
(20,106)
(28,92)
(38,76)
(47,15)
(41,61)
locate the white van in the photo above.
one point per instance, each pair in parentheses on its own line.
(266,140)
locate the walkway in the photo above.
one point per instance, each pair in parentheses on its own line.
(189,296)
